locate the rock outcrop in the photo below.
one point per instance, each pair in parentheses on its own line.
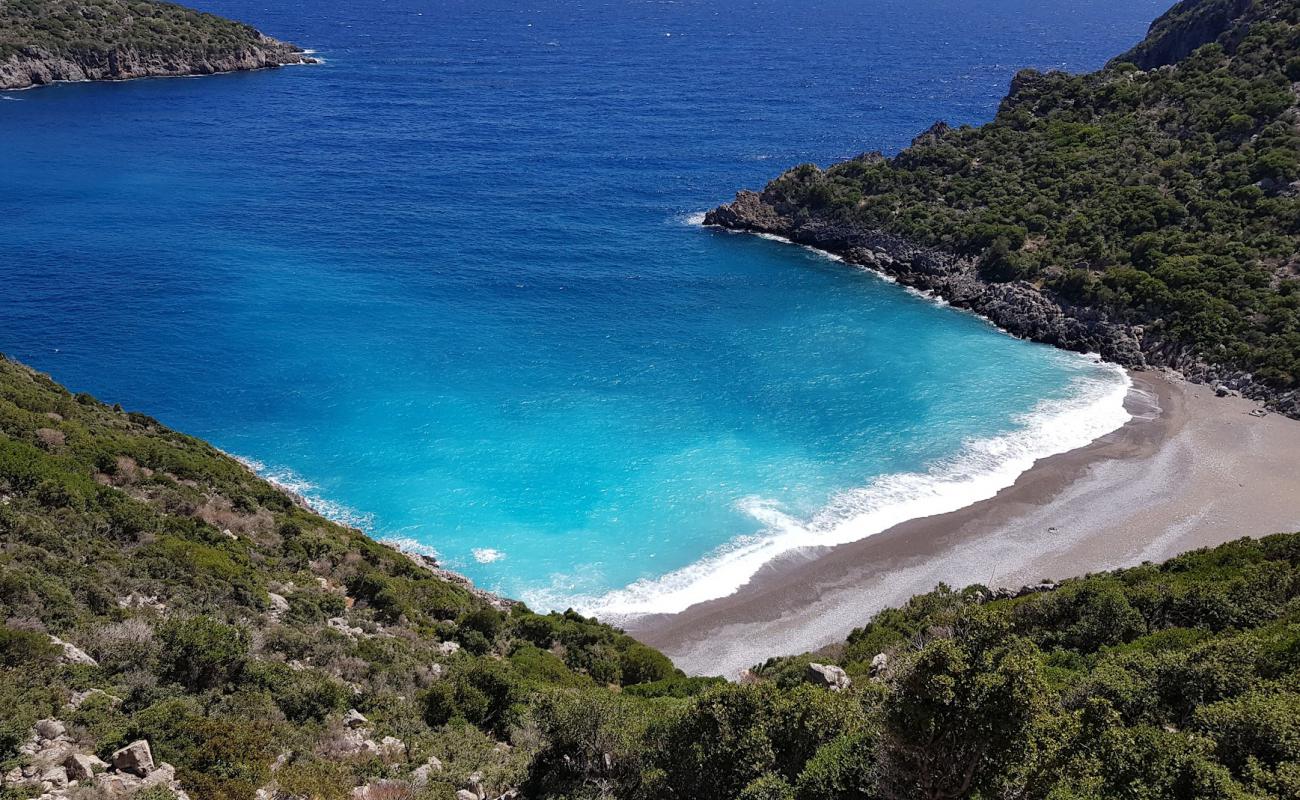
(37,66)
(828,675)
(1018,307)
(57,767)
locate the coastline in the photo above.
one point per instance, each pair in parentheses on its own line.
(18,74)
(1073,513)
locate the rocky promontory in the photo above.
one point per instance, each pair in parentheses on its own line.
(1019,307)
(1127,211)
(48,41)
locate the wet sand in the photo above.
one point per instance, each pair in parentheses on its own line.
(1190,470)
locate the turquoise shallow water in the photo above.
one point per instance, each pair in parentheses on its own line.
(449,285)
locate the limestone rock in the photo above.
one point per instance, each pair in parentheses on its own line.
(136,758)
(466,794)
(879,664)
(420,776)
(355,719)
(82,768)
(828,675)
(73,654)
(50,729)
(448,648)
(279,604)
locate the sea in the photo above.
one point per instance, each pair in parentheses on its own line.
(451,284)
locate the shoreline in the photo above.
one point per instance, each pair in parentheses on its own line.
(1081,511)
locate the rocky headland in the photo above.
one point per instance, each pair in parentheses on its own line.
(1134,211)
(1018,307)
(51,41)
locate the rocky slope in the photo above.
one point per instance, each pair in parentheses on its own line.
(1150,217)
(45,41)
(1018,307)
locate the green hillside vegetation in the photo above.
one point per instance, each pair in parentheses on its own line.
(1168,198)
(233,629)
(78,27)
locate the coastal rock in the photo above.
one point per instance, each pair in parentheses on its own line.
(136,758)
(37,66)
(828,675)
(1017,307)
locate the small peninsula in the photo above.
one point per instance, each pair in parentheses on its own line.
(1149,212)
(49,41)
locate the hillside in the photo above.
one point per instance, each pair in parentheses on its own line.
(171,625)
(43,41)
(1152,216)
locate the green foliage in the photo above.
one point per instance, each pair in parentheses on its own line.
(94,28)
(1161,198)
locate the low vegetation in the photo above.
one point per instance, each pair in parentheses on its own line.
(75,28)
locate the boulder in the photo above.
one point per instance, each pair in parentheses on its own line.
(56,776)
(136,758)
(117,784)
(390,747)
(355,719)
(879,663)
(50,729)
(81,767)
(73,654)
(421,774)
(279,604)
(448,648)
(466,794)
(828,675)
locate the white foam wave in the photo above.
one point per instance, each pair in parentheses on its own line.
(291,481)
(408,545)
(694,219)
(487,555)
(982,469)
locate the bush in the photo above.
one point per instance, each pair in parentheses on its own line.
(201,653)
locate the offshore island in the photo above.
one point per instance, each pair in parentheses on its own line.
(172,625)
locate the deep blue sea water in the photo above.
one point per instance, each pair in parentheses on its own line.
(449,283)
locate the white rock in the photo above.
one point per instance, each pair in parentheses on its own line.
(355,719)
(448,648)
(279,604)
(80,767)
(828,675)
(73,654)
(50,729)
(136,758)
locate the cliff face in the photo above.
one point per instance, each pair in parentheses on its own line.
(1182,29)
(36,66)
(1017,306)
(1128,213)
(43,41)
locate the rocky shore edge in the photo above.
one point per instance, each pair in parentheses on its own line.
(36,66)
(1018,307)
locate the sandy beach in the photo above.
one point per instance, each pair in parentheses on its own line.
(1190,470)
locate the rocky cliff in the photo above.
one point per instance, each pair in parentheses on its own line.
(1113,212)
(36,66)
(45,41)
